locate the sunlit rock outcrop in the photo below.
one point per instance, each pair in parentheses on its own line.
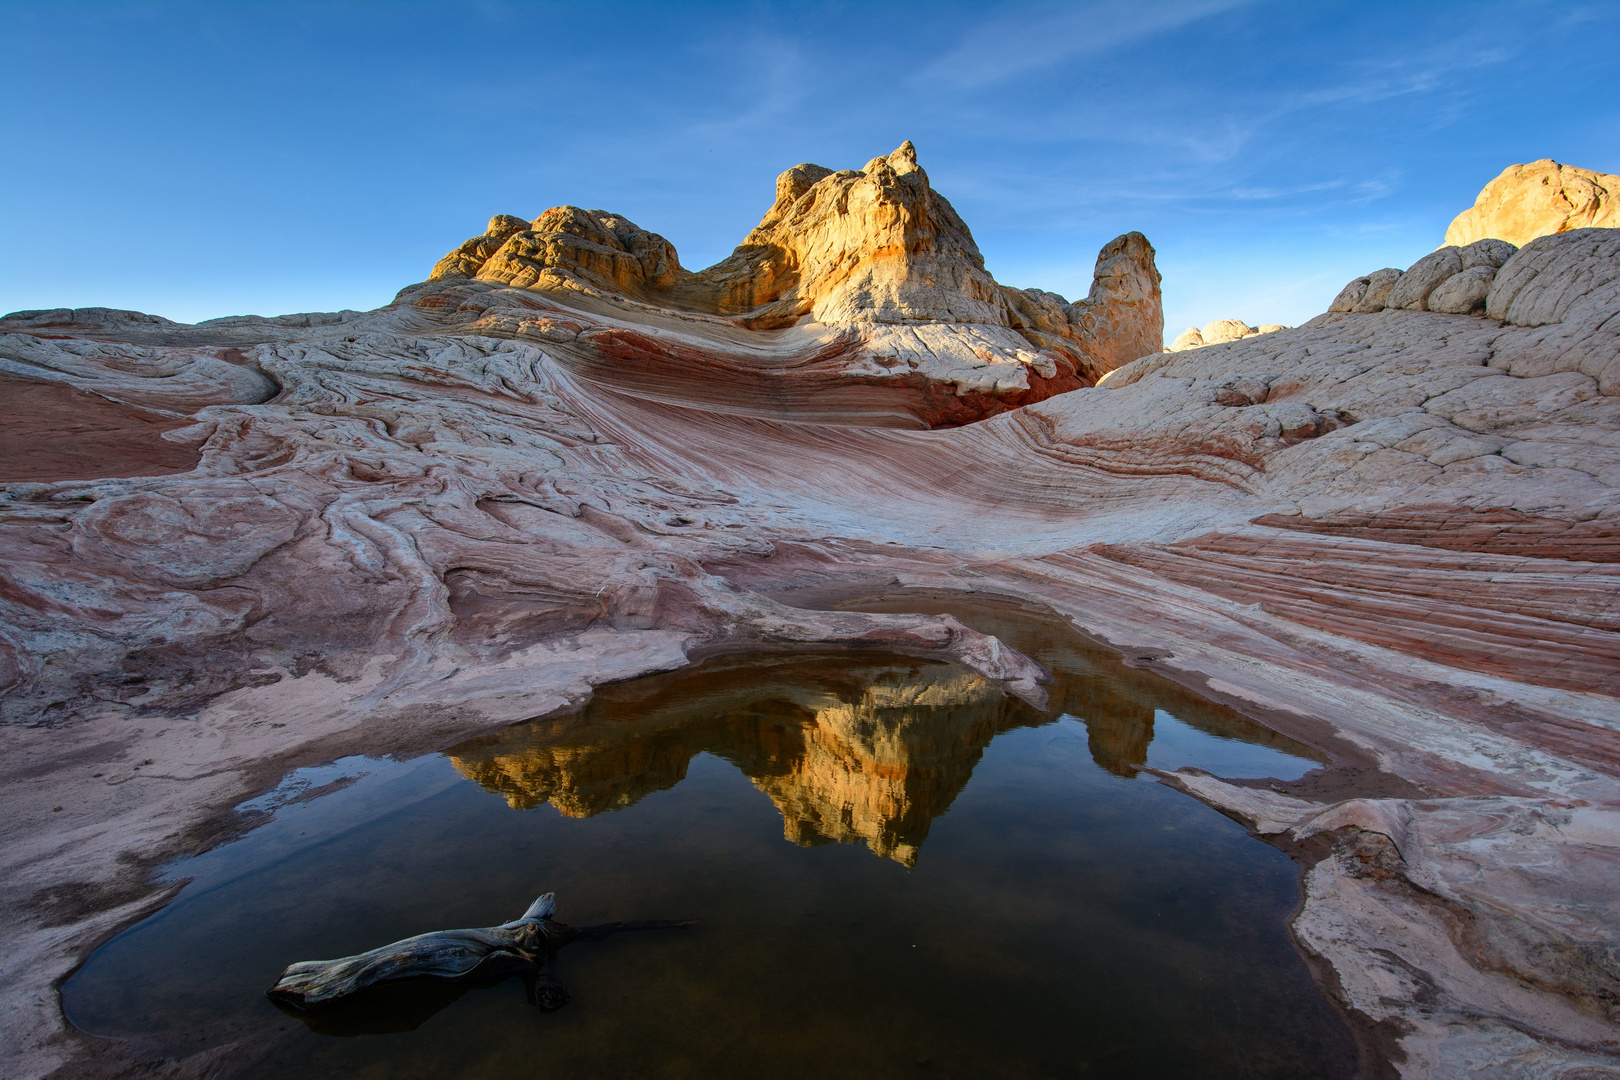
(566,248)
(874,254)
(1542,198)
(873,245)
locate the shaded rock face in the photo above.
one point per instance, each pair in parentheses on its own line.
(853,249)
(1542,198)
(1123,314)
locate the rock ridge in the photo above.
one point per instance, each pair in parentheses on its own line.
(1565,277)
(856,249)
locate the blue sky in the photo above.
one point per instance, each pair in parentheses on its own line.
(196,160)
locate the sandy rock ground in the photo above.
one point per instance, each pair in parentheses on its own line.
(1392,534)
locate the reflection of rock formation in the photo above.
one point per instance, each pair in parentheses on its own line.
(879,769)
(579,779)
(869,752)
(1119,741)
(1116,702)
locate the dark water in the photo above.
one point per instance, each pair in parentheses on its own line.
(896,871)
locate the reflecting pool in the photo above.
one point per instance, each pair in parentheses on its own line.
(895,870)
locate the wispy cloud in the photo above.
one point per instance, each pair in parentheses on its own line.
(768,71)
(1347,190)
(1020,41)
(1301,131)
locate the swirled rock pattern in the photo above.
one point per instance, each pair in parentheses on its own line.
(1391,533)
(852,254)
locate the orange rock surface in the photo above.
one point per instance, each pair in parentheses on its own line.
(864,256)
(1539,199)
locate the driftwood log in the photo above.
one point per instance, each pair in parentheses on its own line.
(526,945)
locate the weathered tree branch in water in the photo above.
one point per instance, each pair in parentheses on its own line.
(527,944)
(519,945)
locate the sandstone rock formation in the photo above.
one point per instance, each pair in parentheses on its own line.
(566,248)
(873,252)
(1542,198)
(1220,332)
(1393,533)
(878,245)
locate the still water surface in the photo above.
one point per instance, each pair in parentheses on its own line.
(896,870)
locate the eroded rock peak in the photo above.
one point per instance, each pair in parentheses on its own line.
(876,245)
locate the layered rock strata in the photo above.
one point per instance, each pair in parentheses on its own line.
(1391,532)
(862,256)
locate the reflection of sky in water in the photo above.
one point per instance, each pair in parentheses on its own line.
(1040,904)
(1176,745)
(377,788)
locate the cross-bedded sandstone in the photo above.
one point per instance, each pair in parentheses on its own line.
(852,254)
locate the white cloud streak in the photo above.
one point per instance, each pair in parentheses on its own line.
(1023,41)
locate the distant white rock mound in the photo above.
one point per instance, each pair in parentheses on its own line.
(1220,332)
